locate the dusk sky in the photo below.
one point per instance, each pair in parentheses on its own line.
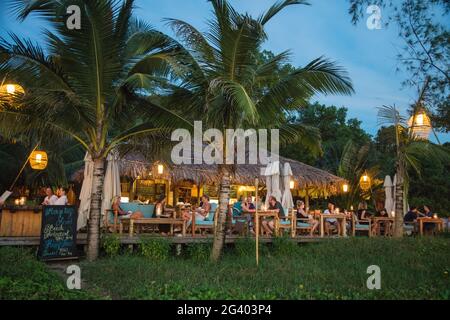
(324,28)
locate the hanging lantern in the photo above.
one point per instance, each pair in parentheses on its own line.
(345,187)
(365,182)
(291,184)
(38,160)
(420,125)
(11,89)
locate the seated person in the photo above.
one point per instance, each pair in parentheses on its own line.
(331,221)
(238,207)
(411,215)
(136,200)
(160,205)
(50,198)
(429,227)
(384,224)
(301,214)
(268,224)
(201,212)
(123,214)
(248,207)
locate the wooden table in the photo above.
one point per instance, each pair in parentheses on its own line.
(341,218)
(151,221)
(422,220)
(266,214)
(377,220)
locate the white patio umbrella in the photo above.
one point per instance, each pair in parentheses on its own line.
(389,202)
(111,184)
(287,201)
(85,194)
(276,191)
(268,175)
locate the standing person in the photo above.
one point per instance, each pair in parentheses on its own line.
(50,198)
(268,224)
(62,198)
(302,214)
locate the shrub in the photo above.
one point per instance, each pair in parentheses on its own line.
(284,246)
(154,248)
(245,247)
(199,251)
(111,244)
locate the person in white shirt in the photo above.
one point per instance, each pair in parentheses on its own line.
(50,199)
(62,200)
(331,221)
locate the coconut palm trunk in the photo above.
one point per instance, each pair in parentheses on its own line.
(93,240)
(398,225)
(224,199)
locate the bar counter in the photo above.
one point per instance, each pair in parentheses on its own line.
(20,221)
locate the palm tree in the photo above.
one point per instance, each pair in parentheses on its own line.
(226,87)
(409,150)
(93,85)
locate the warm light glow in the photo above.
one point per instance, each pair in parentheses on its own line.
(23,200)
(124,199)
(365,178)
(10,88)
(160,169)
(364,182)
(345,187)
(435,216)
(291,184)
(38,160)
(351,208)
(419,120)
(393,214)
(17,202)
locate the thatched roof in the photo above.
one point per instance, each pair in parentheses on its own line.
(318,181)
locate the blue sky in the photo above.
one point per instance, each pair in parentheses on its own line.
(324,28)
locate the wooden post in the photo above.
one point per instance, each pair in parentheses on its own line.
(257,223)
(307,200)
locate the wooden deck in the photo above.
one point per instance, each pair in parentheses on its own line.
(125,239)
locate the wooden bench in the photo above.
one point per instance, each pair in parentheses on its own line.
(133,224)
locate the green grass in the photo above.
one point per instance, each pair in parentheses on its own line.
(411,268)
(23,277)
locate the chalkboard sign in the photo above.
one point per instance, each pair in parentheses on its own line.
(58,233)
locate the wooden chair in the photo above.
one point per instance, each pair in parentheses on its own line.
(287,222)
(209,224)
(361,225)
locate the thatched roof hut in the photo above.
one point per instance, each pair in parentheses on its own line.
(316,181)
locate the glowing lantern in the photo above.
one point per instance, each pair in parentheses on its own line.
(345,188)
(291,184)
(420,125)
(11,89)
(365,182)
(160,169)
(38,160)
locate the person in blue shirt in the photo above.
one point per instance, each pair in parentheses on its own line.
(237,207)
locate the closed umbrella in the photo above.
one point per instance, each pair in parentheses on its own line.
(287,201)
(267,173)
(389,202)
(111,184)
(85,194)
(276,191)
